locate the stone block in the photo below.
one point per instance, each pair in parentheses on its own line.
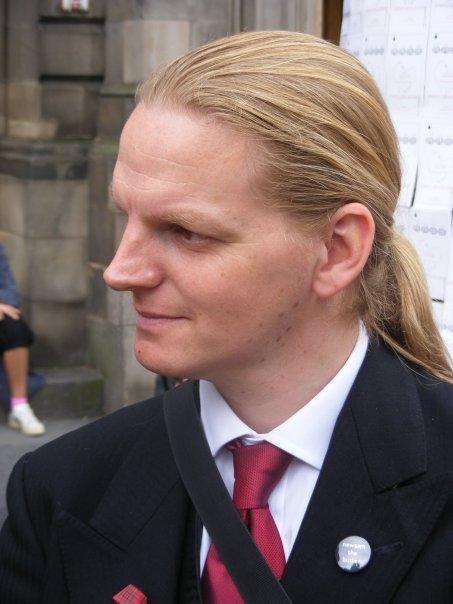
(101,239)
(22,13)
(43,160)
(268,14)
(120,309)
(52,8)
(100,170)
(57,270)
(105,352)
(125,9)
(113,113)
(139,383)
(57,209)
(12,204)
(22,42)
(97,291)
(42,129)
(2,107)
(69,392)
(205,31)
(18,259)
(187,9)
(148,44)
(113,52)
(60,331)
(73,105)
(72,49)
(23,101)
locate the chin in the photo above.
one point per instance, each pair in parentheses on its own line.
(167,366)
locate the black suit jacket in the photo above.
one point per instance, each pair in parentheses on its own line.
(104,506)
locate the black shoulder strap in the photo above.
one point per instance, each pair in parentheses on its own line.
(245,563)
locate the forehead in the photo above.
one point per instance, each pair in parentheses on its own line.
(181,147)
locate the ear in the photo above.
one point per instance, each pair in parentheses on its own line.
(347,244)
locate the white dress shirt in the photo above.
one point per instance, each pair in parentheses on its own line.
(305,435)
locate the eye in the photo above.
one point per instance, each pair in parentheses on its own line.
(188,236)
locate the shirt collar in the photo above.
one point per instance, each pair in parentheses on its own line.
(306,434)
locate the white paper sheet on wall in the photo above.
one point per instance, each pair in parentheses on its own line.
(435,172)
(407,46)
(373,57)
(405,70)
(407,131)
(439,71)
(430,233)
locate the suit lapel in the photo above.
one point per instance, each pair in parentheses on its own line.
(373,484)
(138,532)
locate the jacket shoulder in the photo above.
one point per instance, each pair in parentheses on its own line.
(84,460)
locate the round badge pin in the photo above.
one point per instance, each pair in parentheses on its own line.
(353,554)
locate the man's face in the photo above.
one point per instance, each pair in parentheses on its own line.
(221,282)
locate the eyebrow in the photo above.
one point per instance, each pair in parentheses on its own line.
(186,217)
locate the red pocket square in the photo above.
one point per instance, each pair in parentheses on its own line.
(130,595)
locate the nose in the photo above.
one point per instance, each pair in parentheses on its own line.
(135,265)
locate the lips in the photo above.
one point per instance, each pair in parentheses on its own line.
(153,320)
(154,315)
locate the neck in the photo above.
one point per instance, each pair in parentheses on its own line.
(263,398)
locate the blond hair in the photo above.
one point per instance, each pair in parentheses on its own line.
(327,139)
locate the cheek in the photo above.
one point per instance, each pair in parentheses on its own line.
(255,292)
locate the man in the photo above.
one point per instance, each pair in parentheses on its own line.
(262,262)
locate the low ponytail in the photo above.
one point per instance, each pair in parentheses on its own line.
(397,307)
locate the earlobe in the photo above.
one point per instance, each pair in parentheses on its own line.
(348,242)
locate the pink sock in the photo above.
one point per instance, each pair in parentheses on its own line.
(18,400)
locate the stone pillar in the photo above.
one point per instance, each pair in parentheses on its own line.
(294,15)
(43,184)
(139,37)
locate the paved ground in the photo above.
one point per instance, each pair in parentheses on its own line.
(13,445)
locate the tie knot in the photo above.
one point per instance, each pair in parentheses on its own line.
(257,470)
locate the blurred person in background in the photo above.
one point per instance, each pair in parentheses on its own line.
(16,338)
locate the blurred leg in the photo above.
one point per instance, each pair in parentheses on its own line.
(15,362)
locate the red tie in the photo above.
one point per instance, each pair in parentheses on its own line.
(257,470)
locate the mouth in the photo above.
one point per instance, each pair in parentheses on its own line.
(148,320)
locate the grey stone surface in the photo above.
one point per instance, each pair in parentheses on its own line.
(73,105)
(12,204)
(102,162)
(63,160)
(148,44)
(31,129)
(57,209)
(205,31)
(23,41)
(60,331)
(139,382)
(213,10)
(69,392)
(97,291)
(23,100)
(101,241)
(126,9)
(111,349)
(113,113)
(72,50)
(105,351)
(18,258)
(57,270)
